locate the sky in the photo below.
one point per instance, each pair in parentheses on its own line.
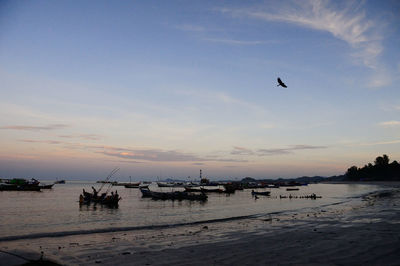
(163,89)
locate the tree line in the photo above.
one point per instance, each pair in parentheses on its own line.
(381,170)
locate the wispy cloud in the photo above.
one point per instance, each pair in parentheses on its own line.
(347,22)
(154,155)
(82,136)
(42,141)
(34,128)
(393,123)
(241,151)
(222,98)
(236,42)
(191,28)
(204,34)
(274,151)
(149,155)
(388,142)
(380,78)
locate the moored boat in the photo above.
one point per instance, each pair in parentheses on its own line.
(132,185)
(262,193)
(20,184)
(175,195)
(13,187)
(46,186)
(111,200)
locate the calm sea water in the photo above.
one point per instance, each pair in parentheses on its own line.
(58,210)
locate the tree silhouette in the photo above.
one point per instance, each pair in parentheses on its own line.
(382,160)
(381,170)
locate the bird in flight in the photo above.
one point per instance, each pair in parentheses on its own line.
(281,83)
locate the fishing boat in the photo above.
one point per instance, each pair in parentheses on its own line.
(60,182)
(174,195)
(111,199)
(205,190)
(13,187)
(262,193)
(20,184)
(132,185)
(46,186)
(170,184)
(192,189)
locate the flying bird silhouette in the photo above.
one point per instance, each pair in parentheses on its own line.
(281,83)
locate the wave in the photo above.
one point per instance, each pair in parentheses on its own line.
(149,227)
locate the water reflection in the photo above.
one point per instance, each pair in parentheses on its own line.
(27,212)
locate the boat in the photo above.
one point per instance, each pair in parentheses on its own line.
(20,184)
(132,185)
(110,200)
(60,182)
(192,189)
(231,187)
(292,189)
(46,186)
(13,187)
(206,190)
(146,193)
(175,195)
(170,184)
(262,193)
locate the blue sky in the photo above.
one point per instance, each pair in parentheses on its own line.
(165,88)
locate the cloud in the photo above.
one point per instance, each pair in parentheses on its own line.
(82,136)
(150,155)
(190,28)
(202,33)
(222,98)
(275,151)
(35,128)
(235,42)
(389,142)
(380,78)
(392,123)
(268,152)
(42,141)
(154,155)
(241,151)
(348,23)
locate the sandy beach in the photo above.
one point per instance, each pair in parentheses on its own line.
(366,233)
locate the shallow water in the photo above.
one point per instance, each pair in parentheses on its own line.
(58,210)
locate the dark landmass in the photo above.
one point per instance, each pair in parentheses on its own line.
(381,170)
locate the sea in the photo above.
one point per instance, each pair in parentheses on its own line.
(57,212)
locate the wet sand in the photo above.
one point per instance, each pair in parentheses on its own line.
(367,233)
